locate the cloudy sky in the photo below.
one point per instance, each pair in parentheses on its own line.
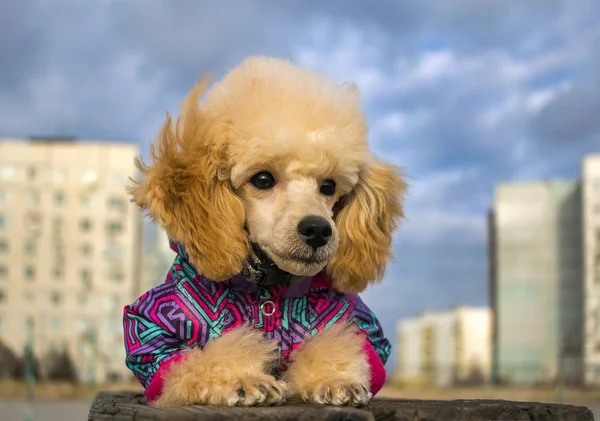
(461,93)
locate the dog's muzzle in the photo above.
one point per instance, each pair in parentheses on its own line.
(259,269)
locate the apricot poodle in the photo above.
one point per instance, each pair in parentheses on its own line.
(280,215)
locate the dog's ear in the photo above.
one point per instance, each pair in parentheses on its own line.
(185,189)
(365,224)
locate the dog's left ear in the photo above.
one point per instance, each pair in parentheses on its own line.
(365,225)
(185,189)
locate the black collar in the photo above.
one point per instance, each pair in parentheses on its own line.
(259,269)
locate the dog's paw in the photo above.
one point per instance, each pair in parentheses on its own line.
(259,391)
(339,393)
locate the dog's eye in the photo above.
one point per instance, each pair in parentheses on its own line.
(328,187)
(263,180)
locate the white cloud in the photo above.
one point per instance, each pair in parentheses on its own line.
(429,218)
(434,65)
(537,100)
(346,52)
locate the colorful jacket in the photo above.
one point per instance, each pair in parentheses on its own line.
(188,309)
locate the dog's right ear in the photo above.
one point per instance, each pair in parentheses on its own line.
(186,190)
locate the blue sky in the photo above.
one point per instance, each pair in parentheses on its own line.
(461,93)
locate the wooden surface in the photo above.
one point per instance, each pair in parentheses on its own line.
(131,406)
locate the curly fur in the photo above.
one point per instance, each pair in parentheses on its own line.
(329,368)
(269,114)
(366,225)
(230,370)
(186,190)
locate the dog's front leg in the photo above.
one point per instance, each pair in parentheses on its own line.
(230,371)
(330,368)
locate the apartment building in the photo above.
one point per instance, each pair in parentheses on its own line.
(536,281)
(158,259)
(445,348)
(70,244)
(544,279)
(590,192)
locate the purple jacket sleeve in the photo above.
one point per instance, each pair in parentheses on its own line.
(149,345)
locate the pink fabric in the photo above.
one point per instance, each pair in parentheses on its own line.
(154,389)
(378,374)
(321,280)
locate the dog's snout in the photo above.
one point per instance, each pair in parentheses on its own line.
(315,231)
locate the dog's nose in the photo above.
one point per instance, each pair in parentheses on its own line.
(315,231)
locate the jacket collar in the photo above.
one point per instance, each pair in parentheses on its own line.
(248,281)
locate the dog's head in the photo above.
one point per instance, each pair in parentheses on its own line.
(276,156)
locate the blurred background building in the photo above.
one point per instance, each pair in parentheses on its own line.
(158,259)
(539,237)
(445,348)
(590,192)
(69,250)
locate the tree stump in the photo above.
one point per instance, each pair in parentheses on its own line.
(130,406)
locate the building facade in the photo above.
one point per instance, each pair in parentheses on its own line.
(445,348)
(536,290)
(158,259)
(70,244)
(590,182)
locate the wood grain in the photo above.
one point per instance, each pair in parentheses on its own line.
(130,406)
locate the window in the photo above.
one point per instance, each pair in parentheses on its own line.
(32,173)
(4,196)
(85,225)
(57,224)
(3,245)
(116,204)
(2,296)
(86,250)
(597,209)
(7,172)
(82,298)
(3,221)
(29,248)
(3,272)
(55,298)
(113,326)
(58,274)
(118,179)
(28,297)
(33,221)
(59,251)
(29,273)
(114,252)
(86,278)
(33,197)
(115,276)
(59,198)
(28,323)
(112,303)
(114,227)
(84,325)
(61,175)
(88,200)
(56,324)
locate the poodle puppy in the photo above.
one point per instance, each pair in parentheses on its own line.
(280,216)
